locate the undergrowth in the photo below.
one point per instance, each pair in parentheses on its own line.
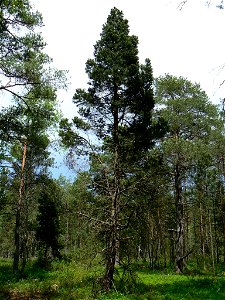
(71,280)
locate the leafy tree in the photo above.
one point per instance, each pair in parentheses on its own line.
(117,108)
(26,76)
(48,228)
(31,120)
(23,62)
(78,226)
(191,119)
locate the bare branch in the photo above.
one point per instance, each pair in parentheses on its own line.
(20,97)
(88,217)
(182,3)
(207,2)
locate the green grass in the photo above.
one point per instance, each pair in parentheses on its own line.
(71,280)
(63,281)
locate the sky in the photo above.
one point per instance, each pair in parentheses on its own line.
(187,42)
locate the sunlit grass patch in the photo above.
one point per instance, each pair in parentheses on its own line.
(63,281)
(72,280)
(173,286)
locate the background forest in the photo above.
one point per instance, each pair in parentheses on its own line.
(153,194)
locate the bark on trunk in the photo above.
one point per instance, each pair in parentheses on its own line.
(110,261)
(202,235)
(179,250)
(18,231)
(113,241)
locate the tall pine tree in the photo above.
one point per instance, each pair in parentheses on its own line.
(117,108)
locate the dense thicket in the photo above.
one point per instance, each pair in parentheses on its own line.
(154,190)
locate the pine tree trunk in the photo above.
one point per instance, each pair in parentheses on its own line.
(17,240)
(113,242)
(110,259)
(202,235)
(179,250)
(212,244)
(18,229)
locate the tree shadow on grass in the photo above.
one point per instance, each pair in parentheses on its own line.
(6,274)
(9,281)
(39,283)
(193,288)
(32,271)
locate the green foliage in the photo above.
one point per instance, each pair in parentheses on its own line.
(185,107)
(48,227)
(118,86)
(31,83)
(76,218)
(23,62)
(117,110)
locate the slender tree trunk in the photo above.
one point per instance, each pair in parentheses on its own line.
(223,206)
(112,251)
(179,255)
(18,238)
(111,256)
(113,240)
(202,234)
(212,244)
(67,236)
(187,243)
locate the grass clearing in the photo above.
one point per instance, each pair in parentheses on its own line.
(71,280)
